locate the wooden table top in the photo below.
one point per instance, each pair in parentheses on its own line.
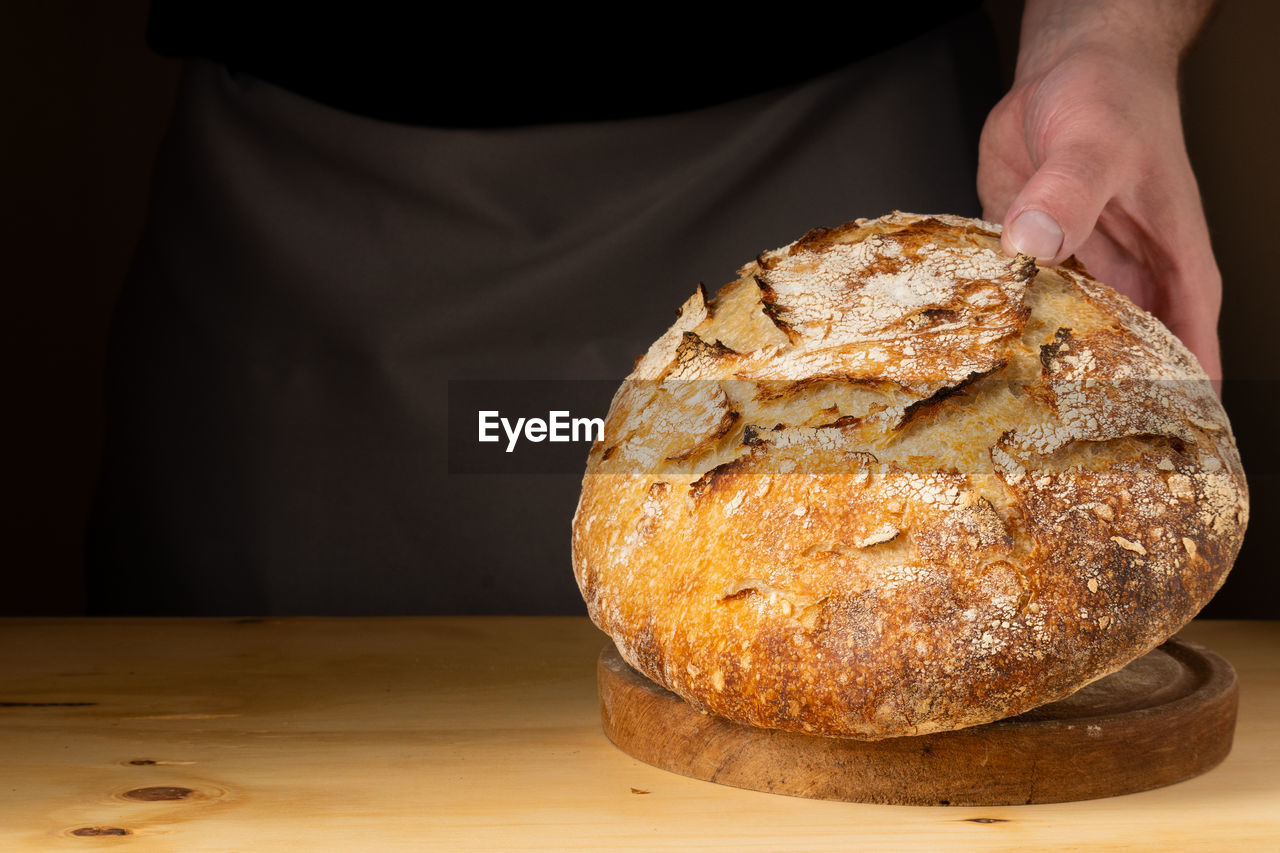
(475,733)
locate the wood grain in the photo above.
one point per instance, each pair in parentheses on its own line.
(1166,717)
(476,734)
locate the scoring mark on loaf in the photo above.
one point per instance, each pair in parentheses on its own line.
(789,603)
(692,352)
(879,536)
(774,311)
(947,392)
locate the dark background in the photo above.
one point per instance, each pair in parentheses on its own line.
(85,106)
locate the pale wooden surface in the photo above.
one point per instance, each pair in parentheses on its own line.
(477,733)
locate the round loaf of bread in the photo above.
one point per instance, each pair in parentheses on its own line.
(891,482)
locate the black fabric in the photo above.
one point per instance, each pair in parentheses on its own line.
(476,66)
(310,281)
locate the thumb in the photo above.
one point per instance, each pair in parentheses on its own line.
(1057,209)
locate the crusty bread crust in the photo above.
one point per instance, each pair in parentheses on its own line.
(891,482)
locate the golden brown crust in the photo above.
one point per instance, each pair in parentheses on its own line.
(891,482)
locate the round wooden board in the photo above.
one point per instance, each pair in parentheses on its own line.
(1165,717)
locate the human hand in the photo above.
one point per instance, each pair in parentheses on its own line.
(1085,156)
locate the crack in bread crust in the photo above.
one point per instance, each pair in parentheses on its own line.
(890,482)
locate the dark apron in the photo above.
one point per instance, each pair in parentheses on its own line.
(310,281)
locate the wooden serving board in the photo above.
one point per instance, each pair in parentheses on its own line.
(1164,718)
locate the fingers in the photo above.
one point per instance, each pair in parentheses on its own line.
(1088,160)
(1057,209)
(1195,297)
(1200,335)
(1003,162)
(1157,253)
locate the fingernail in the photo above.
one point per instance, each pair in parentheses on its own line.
(1035,233)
